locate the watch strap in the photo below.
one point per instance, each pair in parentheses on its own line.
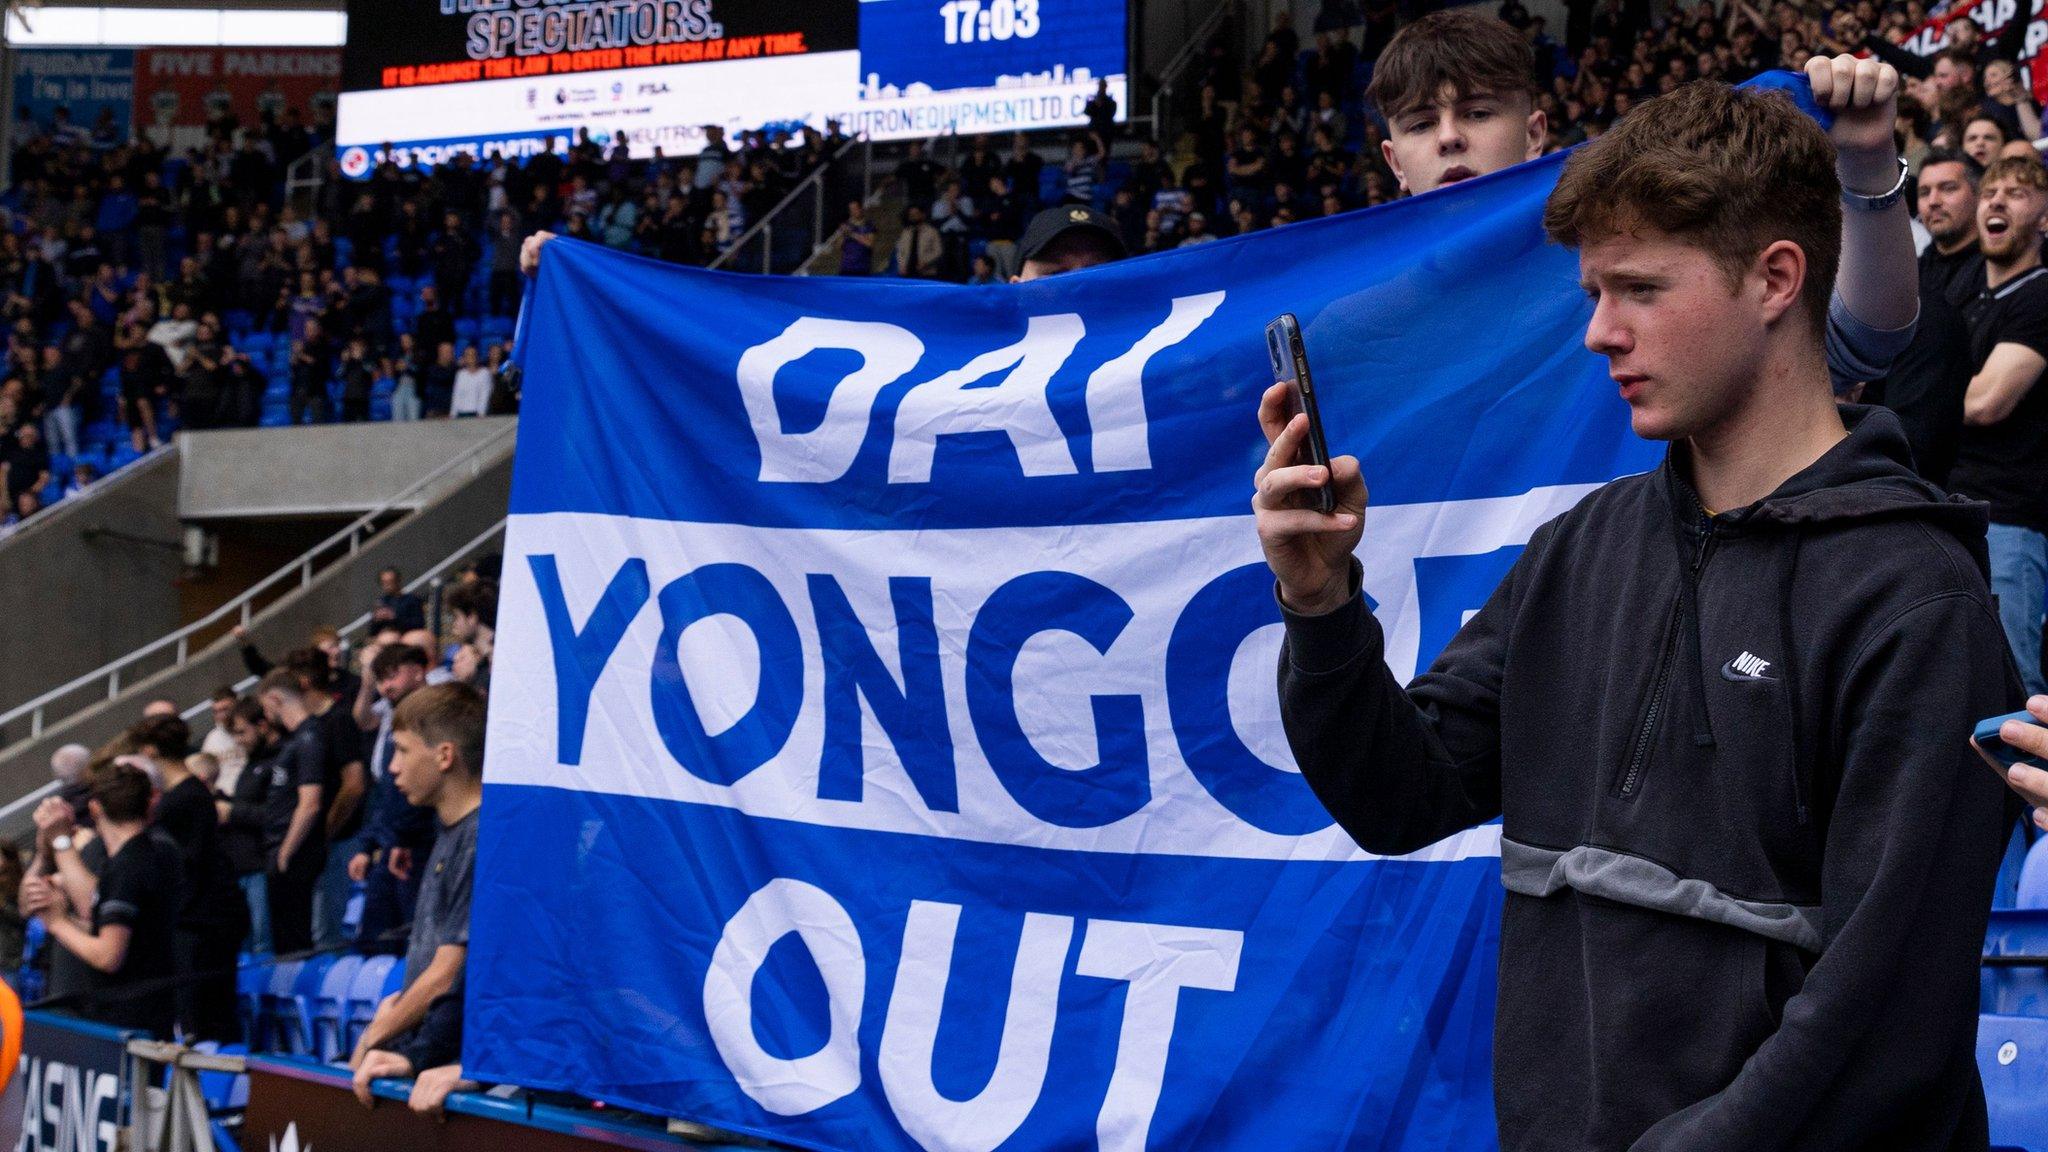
(1858,202)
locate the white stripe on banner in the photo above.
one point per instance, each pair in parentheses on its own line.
(1155,568)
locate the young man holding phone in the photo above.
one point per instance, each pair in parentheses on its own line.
(1454,90)
(1721,707)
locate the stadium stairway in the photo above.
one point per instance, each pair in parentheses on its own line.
(91,578)
(441,511)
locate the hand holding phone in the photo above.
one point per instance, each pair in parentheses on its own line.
(1289,358)
(1308,548)
(2021,762)
(1991,745)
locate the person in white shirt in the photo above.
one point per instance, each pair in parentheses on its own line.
(472,387)
(220,743)
(175,333)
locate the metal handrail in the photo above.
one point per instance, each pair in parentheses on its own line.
(871,196)
(352,536)
(307,173)
(430,576)
(1170,75)
(766,222)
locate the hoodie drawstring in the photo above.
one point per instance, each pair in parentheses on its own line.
(1788,668)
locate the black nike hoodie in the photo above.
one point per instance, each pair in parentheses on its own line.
(1748,851)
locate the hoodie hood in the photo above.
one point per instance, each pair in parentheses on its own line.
(1868,476)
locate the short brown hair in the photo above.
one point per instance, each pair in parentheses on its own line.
(1471,52)
(249,710)
(1730,170)
(169,735)
(122,790)
(479,600)
(282,682)
(311,666)
(2026,171)
(391,659)
(446,714)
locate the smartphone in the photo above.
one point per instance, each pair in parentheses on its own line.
(1996,752)
(1290,367)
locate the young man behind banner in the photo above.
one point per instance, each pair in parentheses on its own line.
(1722,706)
(1454,90)
(437,761)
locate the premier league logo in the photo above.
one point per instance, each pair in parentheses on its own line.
(618,91)
(354,162)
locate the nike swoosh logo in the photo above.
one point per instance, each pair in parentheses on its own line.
(1728,672)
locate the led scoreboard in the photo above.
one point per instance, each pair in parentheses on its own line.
(425,79)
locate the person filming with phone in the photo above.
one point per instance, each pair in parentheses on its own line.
(1721,707)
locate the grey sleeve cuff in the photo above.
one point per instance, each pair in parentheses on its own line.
(1330,640)
(1858,353)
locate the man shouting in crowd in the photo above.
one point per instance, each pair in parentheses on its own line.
(1721,707)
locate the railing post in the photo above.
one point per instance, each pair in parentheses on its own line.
(767,247)
(306,571)
(113,683)
(184,648)
(35,723)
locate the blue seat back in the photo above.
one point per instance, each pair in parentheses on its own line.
(2033,888)
(368,990)
(331,1007)
(2012,1056)
(2015,990)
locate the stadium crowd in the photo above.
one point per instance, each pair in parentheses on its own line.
(332,804)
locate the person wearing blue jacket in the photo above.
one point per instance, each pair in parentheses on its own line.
(1722,708)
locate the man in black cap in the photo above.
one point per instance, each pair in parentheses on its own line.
(1067,239)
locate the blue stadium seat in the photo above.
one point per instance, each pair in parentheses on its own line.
(466,329)
(255,342)
(394,979)
(330,1007)
(123,455)
(1052,184)
(292,1013)
(2015,990)
(223,1090)
(284,976)
(364,996)
(2012,1056)
(344,252)
(2033,887)
(251,978)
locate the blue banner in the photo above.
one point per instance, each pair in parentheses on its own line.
(883,748)
(84,82)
